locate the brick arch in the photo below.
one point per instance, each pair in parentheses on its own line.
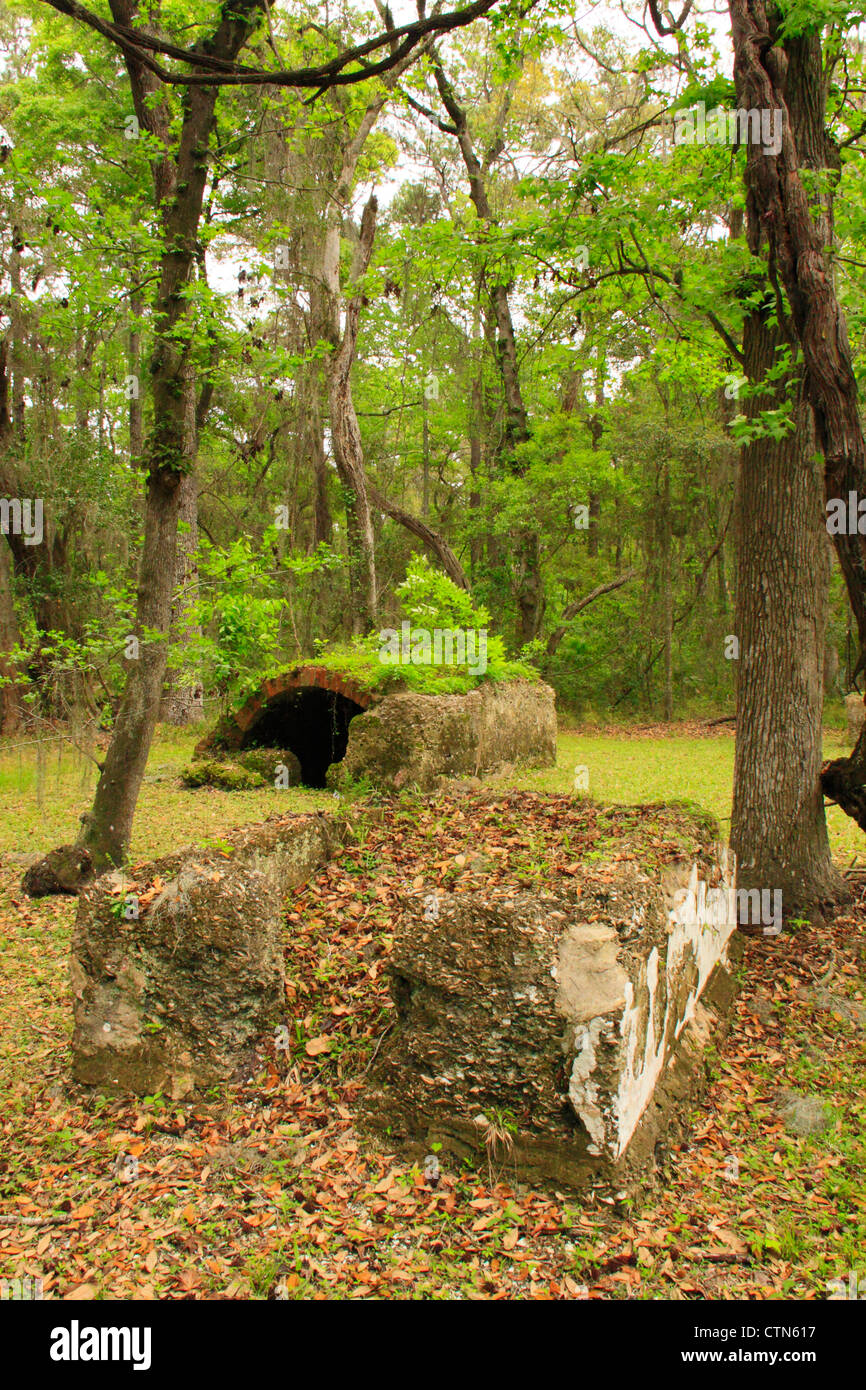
(233,727)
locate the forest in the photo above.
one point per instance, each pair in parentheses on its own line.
(362,353)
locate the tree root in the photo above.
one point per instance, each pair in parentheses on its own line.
(842,781)
(67,869)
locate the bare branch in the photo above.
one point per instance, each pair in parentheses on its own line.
(664,21)
(579,604)
(419,528)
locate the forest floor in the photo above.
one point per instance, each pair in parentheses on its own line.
(266,1185)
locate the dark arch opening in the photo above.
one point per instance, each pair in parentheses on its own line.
(313,723)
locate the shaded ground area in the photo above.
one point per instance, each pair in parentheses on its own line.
(265,1185)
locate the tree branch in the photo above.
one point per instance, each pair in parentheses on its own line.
(578,606)
(425,533)
(214,70)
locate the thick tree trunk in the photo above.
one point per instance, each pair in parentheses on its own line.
(107,828)
(778,829)
(792,81)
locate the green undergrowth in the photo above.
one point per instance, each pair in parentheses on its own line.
(429,602)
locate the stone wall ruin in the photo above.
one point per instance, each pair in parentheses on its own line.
(339,730)
(177,967)
(566,1024)
(552,1029)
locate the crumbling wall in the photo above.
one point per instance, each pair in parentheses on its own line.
(178,966)
(559,1027)
(412,740)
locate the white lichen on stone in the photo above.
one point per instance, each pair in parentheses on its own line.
(582,1090)
(700,927)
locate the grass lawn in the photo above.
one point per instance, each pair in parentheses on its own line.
(42,797)
(699,769)
(43,793)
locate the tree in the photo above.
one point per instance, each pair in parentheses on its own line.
(779,206)
(778,828)
(529,589)
(180,172)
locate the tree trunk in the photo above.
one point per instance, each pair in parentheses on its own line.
(16,336)
(778,829)
(309,431)
(667,597)
(179,184)
(596,430)
(183,699)
(345,432)
(136,400)
(425,457)
(43,566)
(476,431)
(11,696)
(107,829)
(323,521)
(12,706)
(528,580)
(792,81)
